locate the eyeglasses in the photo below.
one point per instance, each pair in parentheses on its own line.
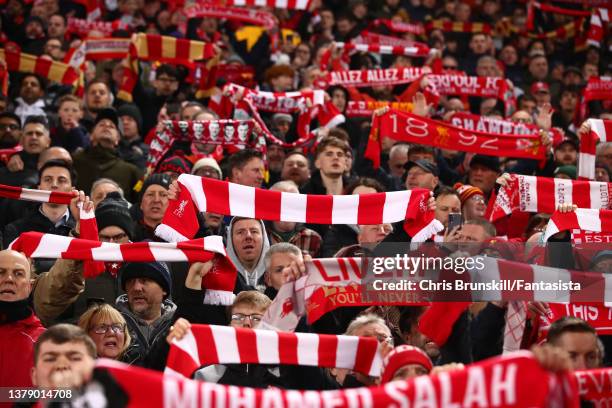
(10,126)
(254,318)
(103,328)
(110,238)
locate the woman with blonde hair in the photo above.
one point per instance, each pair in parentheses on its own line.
(108,329)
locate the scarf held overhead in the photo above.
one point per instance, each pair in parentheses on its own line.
(407,127)
(198,194)
(601,132)
(371,77)
(594,220)
(205,345)
(498,382)
(53,70)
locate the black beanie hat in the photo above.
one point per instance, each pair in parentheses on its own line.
(131,110)
(156,271)
(163,180)
(114,211)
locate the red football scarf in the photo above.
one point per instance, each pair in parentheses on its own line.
(97,49)
(600,18)
(413,50)
(596,315)
(205,345)
(371,77)
(82,28)
(410,128)
(544,194)
(492,87)
(200,194)
(561,33)
(171,50)
(40,196)
(532,5)
(399,26)
(46,68)
(93,8)
(364,109)
(595,385)
(601,131)
(281,4)
(458,27)
(246,15)
(498,382)
(6,154)
(219,282)
(594,220)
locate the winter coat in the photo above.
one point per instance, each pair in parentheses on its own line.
(97,162)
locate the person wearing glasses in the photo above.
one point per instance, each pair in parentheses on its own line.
(10,130)
(108,330)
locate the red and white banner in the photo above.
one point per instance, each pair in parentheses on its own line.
(205,345)
(595,386)
(407,127)
(371,77)
(492,87)
(593,220)
(413,50)
(364,109)
(497,382)
(96,49)
(200,194)
(400,26)
(597,315)
(601,132)
(285,102)
(247,15)
(544,194)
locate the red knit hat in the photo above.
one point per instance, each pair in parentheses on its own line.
(401,356)
(466,191)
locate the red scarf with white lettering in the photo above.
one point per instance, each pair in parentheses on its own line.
(413,49)
(594,220)
(364,109)
(407,127)
(247,15)
(597,315)
(82,28)
(491,87)
(399,26)
(200,194)
(371,77)
(601,132)
(501,382)
(205,345)
(544,194)
(595,385)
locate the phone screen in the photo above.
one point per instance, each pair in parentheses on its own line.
(454,220)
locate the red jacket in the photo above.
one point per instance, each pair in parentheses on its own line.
(17,351)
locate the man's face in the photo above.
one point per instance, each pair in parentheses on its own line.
(35,138)
(409,371)
(190,112)
(34,30)
(247,238)
(250,316)
(478,44)
(373,234)
(10,133)
(31,90)
(344,26)
(276,154)
(70,112)
(605,156)
(582,349)
(295,168)
(331,161)
(445,205)
(56,27)
(62,365)
(482,177)
(474,207)
(114,234)
(381,332)
(105,134)
(486,68)
(417,339)
(98,96)
(473,233)
(566,154)
(14,277)
(397,160)
(213,220)
(145,297)
(251,174)
(228,131)
(274,275)
(101,191)
(130,127)
(419,178)
(282,83)
(528,106)
(154,203)
(55,179)
(538,67)
(542,97)
(165,85)
(522,116)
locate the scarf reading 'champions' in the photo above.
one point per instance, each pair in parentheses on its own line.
(544,194)
(407,127)
(499,382)
(200,194)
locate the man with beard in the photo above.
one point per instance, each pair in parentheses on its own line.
(10,130)
(247,244)
(276,155)
(153,204)
(101,160)
(295,168)
(30,101)
(19,327)
(566,152)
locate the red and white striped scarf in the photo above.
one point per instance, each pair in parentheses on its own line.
(594,220)
(371,77)
(501,382)
(246,15)
(600,19)
(412,50)
(47,68)
(281,4)
(82,28)
(200,194)
(219,282)
(544,194)
(601,131)
(40,196)
(95,49)
(206,345)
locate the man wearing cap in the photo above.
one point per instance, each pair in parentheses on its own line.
(541,92)
(567,172)
(146,306)
(483,172)
(153,203)
(131,147)
(421,174)
(472,201)
(282,123)
(63,294)
(101,159)
(207,167)
(404,362)
(566,152)
(174,166)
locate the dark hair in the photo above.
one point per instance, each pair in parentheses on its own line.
(333,142)
(37,119)
(241,158)
(167,69)
(41,81)
(488,227)
(340,134)
(11,115)
(58,163)
(417,148)
(409,317)
(445,191)
(366,182)
(567,324)
(65,333)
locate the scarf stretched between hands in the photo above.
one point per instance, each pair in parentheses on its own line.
(500,382)
(594,220)
(410,128)
(399,26)
(200,194)
(53,70)
(205,345)
(533,5)
(464,85)
(371,77)
(219,282)
(600,18)
(281,4)
(82,28)
(413,50)
(544,194)
(364,109)
(97,49)
(597,315)
(601,131)
(458,27)
(148,47)
(246,15)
